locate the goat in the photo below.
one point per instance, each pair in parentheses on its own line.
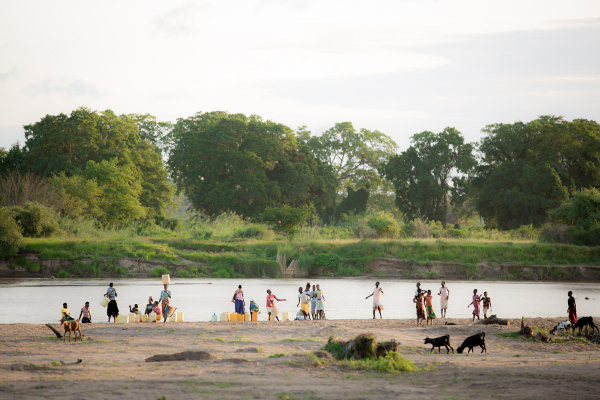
(472,341)
(561,326)
(585,321)
(439,342)
(71,326)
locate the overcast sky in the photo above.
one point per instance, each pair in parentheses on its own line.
(401,67)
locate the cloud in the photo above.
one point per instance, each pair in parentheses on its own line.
(177,21)
(72,88)
(4,76)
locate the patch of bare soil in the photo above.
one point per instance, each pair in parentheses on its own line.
(277,361)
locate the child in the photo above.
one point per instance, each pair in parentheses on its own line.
(149,306)
(271,307)
(303,302)
(376,300)
(86,313)
(254,307)
(66,315)
(135,309)
(475,303)
(429,308)
(156,309)
(487,304)
(418,300)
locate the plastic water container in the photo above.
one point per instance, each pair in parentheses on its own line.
(241,317)
(137,318)
(152,317)
(285,316)
(144,318)
(104,302)
(224,317)
(247,317)
(173,318)
(214,317)
(233,317)
(179,316)
(254,316)
(123,319)
(131,318)
(166,279)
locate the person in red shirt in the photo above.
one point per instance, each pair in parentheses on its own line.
(271,307)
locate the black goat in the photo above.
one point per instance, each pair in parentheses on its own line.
(472,341)
(439,342)
(585,321)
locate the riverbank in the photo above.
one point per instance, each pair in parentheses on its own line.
(403,259)
(282,361)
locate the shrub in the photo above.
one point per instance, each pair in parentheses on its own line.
(63,274)
(11,239)
(35,267)
(556,233)
(436,229)
(286,220)
(35,220)
(183,274)
(253,231)
(160,271)
(417,229)
(384,224)
(327,260)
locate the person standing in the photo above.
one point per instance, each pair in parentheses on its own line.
(111,309)
(418,300)
(320,298)
(238,299)
(572,310)
(418,288)
(165,300)
(271,307)
(429,308)
(445,295)
(376,300)
(303,302)
(487,304)
(313,303)
(475,302)
(86,314)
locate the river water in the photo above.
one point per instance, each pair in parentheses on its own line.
(38,301)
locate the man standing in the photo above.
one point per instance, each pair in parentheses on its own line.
(572,309)
(165,295)
(376,300)
(445,293)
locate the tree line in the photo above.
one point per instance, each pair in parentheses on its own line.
(116,169)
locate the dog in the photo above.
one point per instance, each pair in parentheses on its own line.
(472,341)
(439,342)
(563,326)
(585,321)
(71,326)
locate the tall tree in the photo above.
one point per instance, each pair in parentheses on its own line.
(66,143)
(225,161)
(530,168)
(13,160)
(422,174)
(353,154)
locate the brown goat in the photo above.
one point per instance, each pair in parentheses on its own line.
(71,326)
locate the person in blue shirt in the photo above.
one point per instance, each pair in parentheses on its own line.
(111,309)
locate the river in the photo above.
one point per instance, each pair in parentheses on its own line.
(38,301)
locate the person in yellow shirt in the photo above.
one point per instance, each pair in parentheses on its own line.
(66,315)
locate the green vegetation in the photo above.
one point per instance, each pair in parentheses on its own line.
(390,363)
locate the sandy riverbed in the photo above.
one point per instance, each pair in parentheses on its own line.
(114,363)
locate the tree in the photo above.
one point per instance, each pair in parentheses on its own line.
(530,168)
(582,210)
(11,238)
(286,220)
(230,162)
(353,204)
(421,175)
(13,160)
(353,155)
(158,133)
(79,196)
(61,143)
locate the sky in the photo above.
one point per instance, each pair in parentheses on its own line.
(400,67)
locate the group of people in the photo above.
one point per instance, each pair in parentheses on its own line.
(310,302)
(423,300)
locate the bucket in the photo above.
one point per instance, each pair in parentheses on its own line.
(247,317)
(224,317)
(166,279)
(179,316)
(286,316)
(254,316)
(104,302)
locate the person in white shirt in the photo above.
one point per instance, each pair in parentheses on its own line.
(445,293)
(376,300)
(303,302)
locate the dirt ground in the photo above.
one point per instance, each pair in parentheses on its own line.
(113,362)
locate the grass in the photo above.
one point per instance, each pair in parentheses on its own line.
(303,340)
(391,363)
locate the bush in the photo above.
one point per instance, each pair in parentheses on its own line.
(183,274)
(253,231)
(160,271)
(35,220)
(417,229)
(35,267)
(556,233)
(384,224)
(286,220)
(327,261)
(11,239)
(63,274)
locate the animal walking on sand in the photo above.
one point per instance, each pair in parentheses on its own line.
(472,341)
(444,292)
(71,326)
(439,342)
(585,321)
(376,300)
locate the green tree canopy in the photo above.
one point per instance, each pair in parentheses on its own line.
(422,174)
(13,160)
(530,168)
(353,155)
(582,210)
(230,162)
(286,220)
(66,143)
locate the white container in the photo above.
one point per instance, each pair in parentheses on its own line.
(224,317)
(214,318)
(144,318)
(152,317)
(285,316)
(173,318)
(123,319)
(131,317)
(104,302)
(166,279)
(247,317)
(179,316)
(137,318)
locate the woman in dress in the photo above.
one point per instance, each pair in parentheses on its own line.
(111,309)
(377,306)
(320,298)
(418,300)
(240,303)
(475,302)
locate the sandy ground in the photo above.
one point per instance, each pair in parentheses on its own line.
(114,363)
